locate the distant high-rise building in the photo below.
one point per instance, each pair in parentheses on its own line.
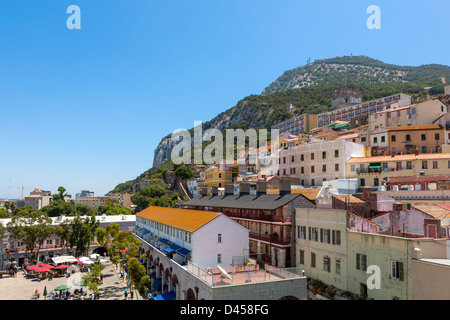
(84,194)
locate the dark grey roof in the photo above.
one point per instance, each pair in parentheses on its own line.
(247,201)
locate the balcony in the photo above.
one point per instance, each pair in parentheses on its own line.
(258,216)
(276,239)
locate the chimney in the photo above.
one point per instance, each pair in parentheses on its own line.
(261,188)
(214,190)
(204,191)
(244,188)
(229,190)
(285,187)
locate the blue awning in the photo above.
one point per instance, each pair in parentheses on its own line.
(163,240)
(172,249)
(183,252)
(171,295)
(157,285)
(146,231)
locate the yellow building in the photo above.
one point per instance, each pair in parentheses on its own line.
(374,171)
(408,139)
(219,177)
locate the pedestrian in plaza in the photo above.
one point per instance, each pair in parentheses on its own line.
(131,294)
(126,294)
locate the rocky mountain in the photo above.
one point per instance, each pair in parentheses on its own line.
(358,70)
(309,89)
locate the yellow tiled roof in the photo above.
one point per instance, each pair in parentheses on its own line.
(185,219)
(310,193)
(435,211)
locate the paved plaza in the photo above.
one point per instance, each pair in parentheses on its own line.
(23,288)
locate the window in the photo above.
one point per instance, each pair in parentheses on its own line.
(312,156)
(302,256)
(393,138)
(362,182)
(312,169)
(284,159)
(313,234)
(375,139)
(336,167)
(302,170)
(324,168)
(423,137)
(220,175)
(302,157)
(325,235)
(424,149)
(326,264)
(361,262)
(338,266)
(313,182)
(336,153)
(219,258)
(219,237)
(352,167)
(397,270)
(399,165)
(408,164)
(449,164)
(408,137)
(301,232)
(436,136)
(435,165)
(336,237)
(383,138)
(324,154)
(292,159)
(313,260)
(363,139)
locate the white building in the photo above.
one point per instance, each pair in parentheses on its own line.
(206,238)
(196,255)
(318,161)
(447,90)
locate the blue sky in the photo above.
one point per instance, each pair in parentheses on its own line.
(85,109)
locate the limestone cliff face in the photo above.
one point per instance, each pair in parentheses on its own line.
(239,116)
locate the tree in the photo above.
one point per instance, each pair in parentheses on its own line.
(137,272)
(61,195)
(155,194)
(184,172)
(82,233)
(92,278)
(32,228)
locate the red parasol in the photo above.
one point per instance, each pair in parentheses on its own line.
(44,265)
(32,267)
(62,266)
(41,269)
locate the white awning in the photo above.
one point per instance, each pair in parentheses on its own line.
(64,259)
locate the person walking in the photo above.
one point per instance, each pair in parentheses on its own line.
(131,294)
(126,294)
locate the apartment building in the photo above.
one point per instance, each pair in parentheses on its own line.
(268,217)
(423,113)
(375,171)
(317,161)
(93,202)
(321,243)
(124,199)
(297,125)
(38,199)
(409,139)
(364,109)
(197,255)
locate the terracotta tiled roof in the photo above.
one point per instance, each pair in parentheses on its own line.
(411,128)
(422,156)
(185,219)
(348,136)
(413,179)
